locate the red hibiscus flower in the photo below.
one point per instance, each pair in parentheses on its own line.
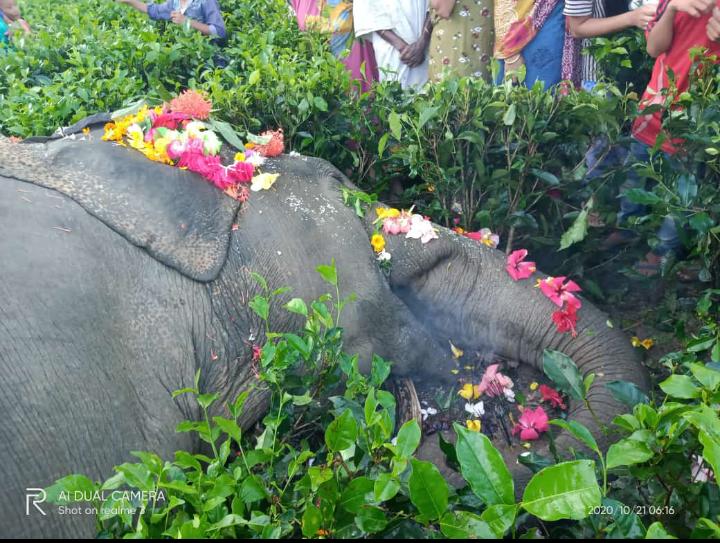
(551,395)
(169,119)
(566,319)
(559,291)
(531,424)
(517,268)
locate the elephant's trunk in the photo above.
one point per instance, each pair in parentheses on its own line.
(462,292)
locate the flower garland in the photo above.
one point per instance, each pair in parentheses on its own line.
(175,134)
(393,222)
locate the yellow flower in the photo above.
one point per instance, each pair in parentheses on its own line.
(86,131)
(387,212)
(264,181)
(239,157)
(378,242)
(534,386)
(473,425)
(455,371)
(646,343)
(431,188)
(457,353)
(470,391)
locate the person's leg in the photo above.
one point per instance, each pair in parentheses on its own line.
(638,153)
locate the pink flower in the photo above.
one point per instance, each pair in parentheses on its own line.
(176,148)
(494,383)
(241,172)
(566,319)
(531,424)
(560,291)
(517,268)
(551,395)
(486,237)
(398,225)
(169,119)
(421,228)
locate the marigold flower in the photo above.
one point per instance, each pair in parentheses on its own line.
(645,343)
(378,243)
(469,391)
(473,425)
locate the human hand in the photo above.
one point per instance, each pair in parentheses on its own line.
(643,15)
(177,17)
(713,26)
(695,8)
(414,54)
(26,27)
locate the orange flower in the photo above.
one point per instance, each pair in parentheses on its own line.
(275,146)
(192,103)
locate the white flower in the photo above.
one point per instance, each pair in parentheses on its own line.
(509,394)
(211,143)
(428,412)
(384,256)
(256,159)
(421,229)
(477,410)
(294,154)
(194,129)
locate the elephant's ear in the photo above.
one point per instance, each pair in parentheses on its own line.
(180,219)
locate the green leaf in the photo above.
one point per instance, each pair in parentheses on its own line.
(548,177)
(206,400)
(320,103)
(708,377)
(628,452)
(408,439)
(711,450)
(500,518)
(579,432)
(576,232)
(425,115)
(381,146)
(328,273)
(371,519)
(230,427)
(319,475)
(627,393)
(483,467)
(680,386)
(70,489)
(395,125)
(260,280)
(252,490)
(297,305)
(565,491)
(657,531)
(386,487)
(342,432)
(509,116)
(228,133)
(354,496)
(465,525)
(254,77)
(640,196)
(428,490)
(561,369)
(261,306)
(379,371)
(311,521)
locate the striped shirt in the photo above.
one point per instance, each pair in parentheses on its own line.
(586,8)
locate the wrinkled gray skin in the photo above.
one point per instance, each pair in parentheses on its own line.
(119,278)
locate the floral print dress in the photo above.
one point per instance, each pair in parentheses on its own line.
(463,44)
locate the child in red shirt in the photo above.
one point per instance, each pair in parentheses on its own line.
(678,27)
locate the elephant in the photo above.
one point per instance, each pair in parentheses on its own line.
(121,277)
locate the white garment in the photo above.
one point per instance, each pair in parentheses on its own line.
(404,17)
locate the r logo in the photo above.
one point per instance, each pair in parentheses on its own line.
(34,496)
